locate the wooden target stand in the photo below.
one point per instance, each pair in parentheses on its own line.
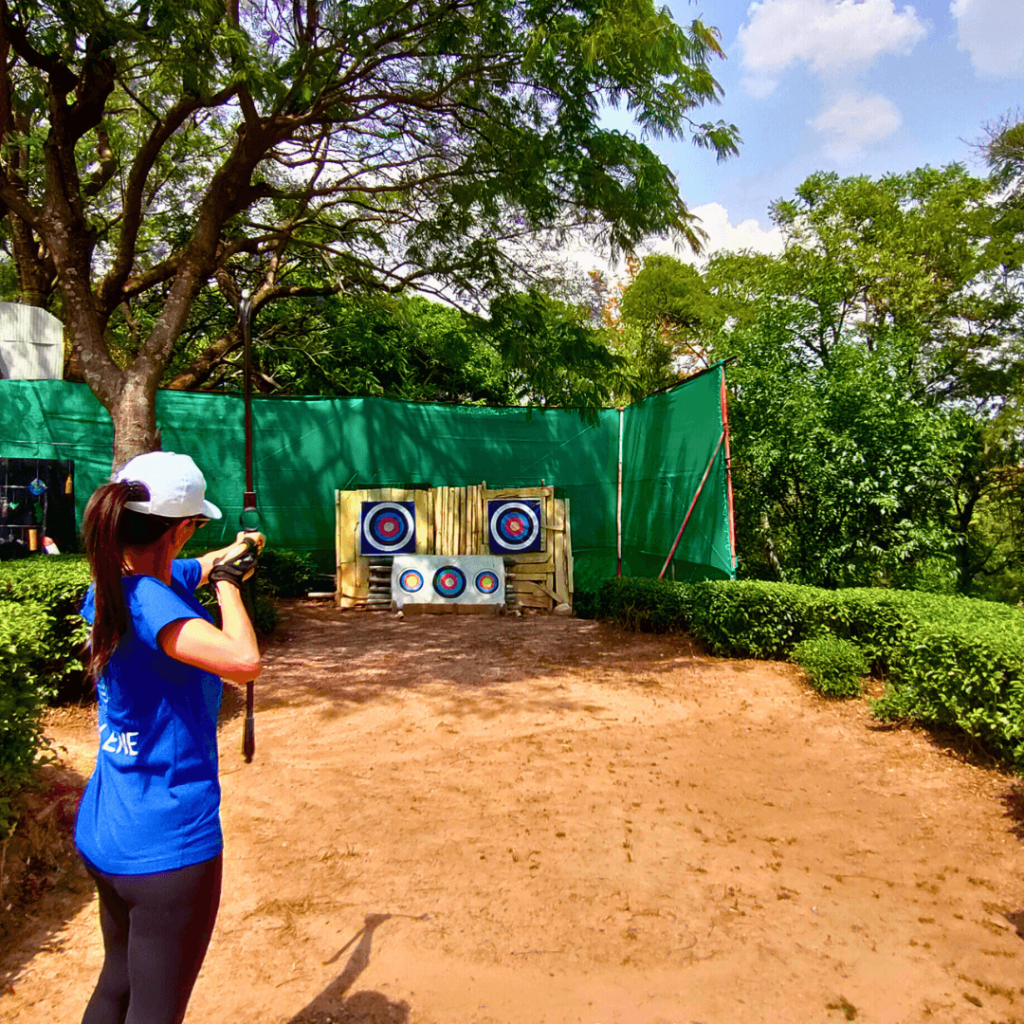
(453,521)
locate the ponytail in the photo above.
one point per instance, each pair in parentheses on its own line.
(107,528)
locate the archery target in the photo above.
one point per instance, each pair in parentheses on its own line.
(487,582)
(446,581)
(411,581)
(449,582)
(388,527)
(514,526)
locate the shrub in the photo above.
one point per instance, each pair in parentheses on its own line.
(649,606)
(57,583)
(834,666)
(286,573)
(965,673)
(25,636)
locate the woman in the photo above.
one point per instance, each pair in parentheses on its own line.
(149,823)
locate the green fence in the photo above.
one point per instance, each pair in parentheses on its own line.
(306,448)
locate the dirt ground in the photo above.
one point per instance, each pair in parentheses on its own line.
(464,820)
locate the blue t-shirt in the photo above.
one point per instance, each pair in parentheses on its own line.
(153,802)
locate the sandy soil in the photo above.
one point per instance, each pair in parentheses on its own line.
(467,820)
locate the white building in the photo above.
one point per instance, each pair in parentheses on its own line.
(31,343)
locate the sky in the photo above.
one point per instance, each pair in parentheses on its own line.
(853,86)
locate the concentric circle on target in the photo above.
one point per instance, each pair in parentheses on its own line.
(487,582)
(411,581)
(389,527)
(515,525)
(449,581)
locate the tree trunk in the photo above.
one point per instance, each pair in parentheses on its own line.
(133,413)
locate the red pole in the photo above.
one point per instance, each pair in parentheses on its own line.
(703,480)
(728,475)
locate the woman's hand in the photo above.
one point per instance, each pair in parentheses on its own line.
(242,540)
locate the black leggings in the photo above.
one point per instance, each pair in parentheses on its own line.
(155,932)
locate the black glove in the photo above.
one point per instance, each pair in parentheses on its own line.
(237,569)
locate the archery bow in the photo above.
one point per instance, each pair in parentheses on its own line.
(250,516)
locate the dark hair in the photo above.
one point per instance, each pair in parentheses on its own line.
(107,529)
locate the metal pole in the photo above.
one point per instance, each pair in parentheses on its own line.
(700,488)
(618,508)
(728,475)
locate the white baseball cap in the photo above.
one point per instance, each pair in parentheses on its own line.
(177,488)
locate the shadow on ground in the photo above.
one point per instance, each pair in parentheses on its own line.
(334,1005)
(322,654)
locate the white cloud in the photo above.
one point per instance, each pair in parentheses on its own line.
(853,121)
(992,32)
(830,36)
(723,235)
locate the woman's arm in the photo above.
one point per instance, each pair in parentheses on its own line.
(230,652)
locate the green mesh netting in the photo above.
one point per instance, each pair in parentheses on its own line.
(306,448)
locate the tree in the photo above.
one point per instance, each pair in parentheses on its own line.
(879,380)
(152,146)
(532,349)
(671,297)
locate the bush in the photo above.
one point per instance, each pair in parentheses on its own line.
(57,583)
(945,660)
(965,673)
(286,573)
(25,636)
(648,606)
(834,666)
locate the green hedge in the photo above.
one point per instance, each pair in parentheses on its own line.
(945,660)
(57,583)
(25,638)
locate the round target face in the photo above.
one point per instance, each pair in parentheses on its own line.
(487,582)
(411,580)
(515,525)
(449,581)
(389,526)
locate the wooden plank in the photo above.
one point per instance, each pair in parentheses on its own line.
(361,582)
(528,601)
(351,507)
(463,521)
(525,588)
(338,546)
(558,536)
(480,521)
(533,568)
(477,609)
(528,557)
(457,520)
(536,577)
(439,521)
(446,519)
(526,492)
(568,550)
(457,533)
(422,499)
(454,523)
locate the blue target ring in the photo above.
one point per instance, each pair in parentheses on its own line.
(449,581)
(411,581)
(389,527)
(487,582)
(514,526)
